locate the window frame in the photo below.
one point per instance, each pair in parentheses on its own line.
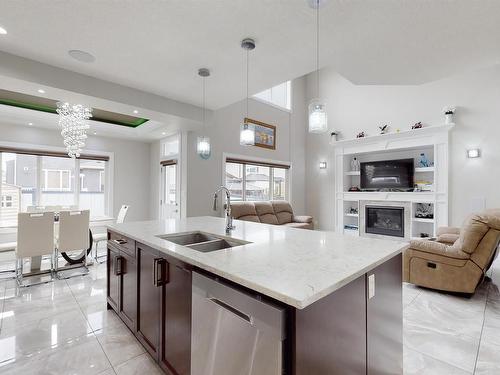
(289,94)
(39,151)
(272,164)
(45,172)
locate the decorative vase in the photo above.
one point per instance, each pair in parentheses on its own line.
(448,118)
(355,165)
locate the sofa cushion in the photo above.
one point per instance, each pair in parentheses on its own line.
(299,225)
(244,211)
(265,212)
(283,211)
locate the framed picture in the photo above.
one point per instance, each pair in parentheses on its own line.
(265,134)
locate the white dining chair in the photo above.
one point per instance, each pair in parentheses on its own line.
(35,237)
(99,237)
(73,236)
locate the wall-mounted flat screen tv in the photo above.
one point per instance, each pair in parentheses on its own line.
(387,174)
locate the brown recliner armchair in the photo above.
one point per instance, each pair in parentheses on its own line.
(458,259)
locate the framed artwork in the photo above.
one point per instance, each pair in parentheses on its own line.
(265,134)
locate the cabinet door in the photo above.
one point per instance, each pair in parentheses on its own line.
(148,314)
(330,334)
(176,328)
(128,290)
(113,278)
(384,319)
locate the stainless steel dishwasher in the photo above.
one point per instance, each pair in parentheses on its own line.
(233,333)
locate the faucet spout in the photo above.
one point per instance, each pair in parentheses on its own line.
(227,208)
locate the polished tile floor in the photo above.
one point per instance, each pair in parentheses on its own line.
(64,328)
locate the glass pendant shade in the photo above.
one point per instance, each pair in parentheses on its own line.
(203,147)
(247,135)
(318,122)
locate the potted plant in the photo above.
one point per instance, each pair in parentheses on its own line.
(448,114)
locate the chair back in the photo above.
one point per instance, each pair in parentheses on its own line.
(122,214)
(35,234)
(73,230)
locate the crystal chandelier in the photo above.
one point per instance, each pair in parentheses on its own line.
(73,122)
(318,121)
(203,142)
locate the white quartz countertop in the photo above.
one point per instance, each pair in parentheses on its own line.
(294,266)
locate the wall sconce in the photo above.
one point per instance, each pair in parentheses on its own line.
(322,165)
(474,153)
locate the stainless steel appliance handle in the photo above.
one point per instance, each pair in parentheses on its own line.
(231,309)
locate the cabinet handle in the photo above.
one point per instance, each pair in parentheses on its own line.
(232,310)
(160,277)
(118,265)
(120,242)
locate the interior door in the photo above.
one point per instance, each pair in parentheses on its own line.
(170,190)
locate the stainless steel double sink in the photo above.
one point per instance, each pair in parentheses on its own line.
(202,241)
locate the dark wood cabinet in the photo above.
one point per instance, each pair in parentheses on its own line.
(149,294)
(113,290)
(384,317)
(175,355)
(122,284)
(128,290)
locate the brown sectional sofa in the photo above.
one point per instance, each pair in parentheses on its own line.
(270,212)
(458,259)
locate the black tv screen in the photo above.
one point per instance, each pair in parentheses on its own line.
(387,174)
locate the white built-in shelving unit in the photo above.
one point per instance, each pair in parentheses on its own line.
(432,140)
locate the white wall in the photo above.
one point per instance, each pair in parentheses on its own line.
(204,176)
(354,108)
(131,164)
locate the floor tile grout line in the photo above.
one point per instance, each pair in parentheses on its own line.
(439,360)
(92,328)
(482,329)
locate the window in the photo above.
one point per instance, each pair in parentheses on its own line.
(32,178)
(255,181)
(279,95)
(7,201)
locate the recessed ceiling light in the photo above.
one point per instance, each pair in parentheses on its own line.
(41,91)
(30,123)
(136,111)
(163,133)
(2,31)
(81,56)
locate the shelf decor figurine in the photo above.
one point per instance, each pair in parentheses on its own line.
(418,125)
(361,135)
(355,166)
(384,129)
(423,162)
(448,114)
(424,211)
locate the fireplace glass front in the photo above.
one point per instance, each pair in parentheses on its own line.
(386,221)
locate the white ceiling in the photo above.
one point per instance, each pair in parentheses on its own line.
(157,46)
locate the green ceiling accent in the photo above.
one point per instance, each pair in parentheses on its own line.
(36,103)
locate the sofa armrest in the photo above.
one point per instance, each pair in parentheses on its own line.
(448,230)
(438,248)
(448,238)
(302,219)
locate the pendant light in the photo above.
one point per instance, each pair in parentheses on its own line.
(203,142)
(317,108)
(247,131)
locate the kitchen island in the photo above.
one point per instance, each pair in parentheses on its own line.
(340,296)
